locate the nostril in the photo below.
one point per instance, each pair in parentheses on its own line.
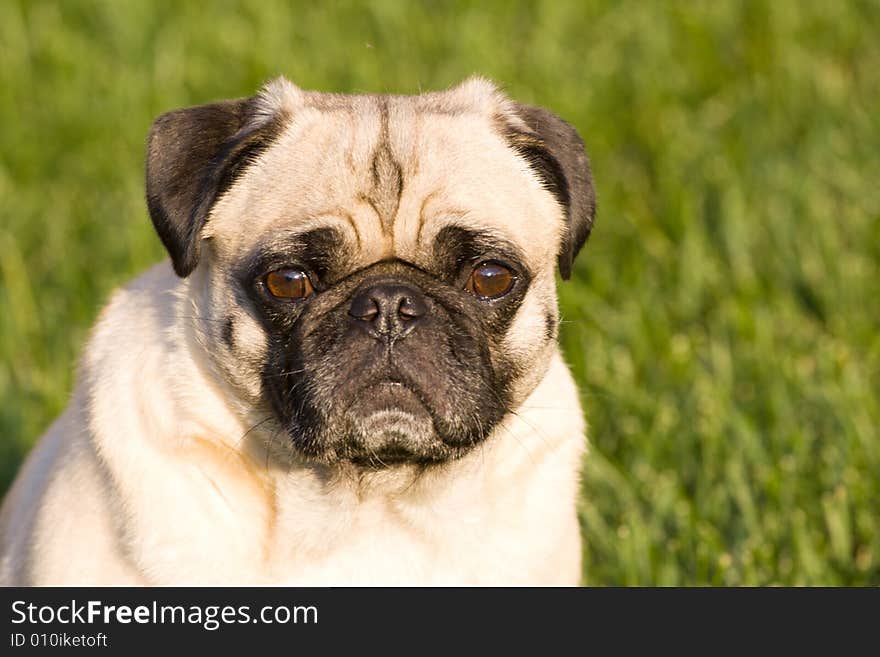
(411,308)
(364,307)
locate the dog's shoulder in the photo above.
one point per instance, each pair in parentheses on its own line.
(138,320)
(146,303)
(63,465)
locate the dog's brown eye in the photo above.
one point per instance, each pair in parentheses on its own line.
(289,284)
(490,280)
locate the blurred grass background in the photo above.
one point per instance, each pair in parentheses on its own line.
(724,321)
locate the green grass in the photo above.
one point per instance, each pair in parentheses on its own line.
(724,320)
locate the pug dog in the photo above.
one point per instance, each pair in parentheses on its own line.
(348,373)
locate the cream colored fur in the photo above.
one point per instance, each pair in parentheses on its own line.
(151,476)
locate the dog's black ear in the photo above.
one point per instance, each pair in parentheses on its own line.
(193,156)
(556,153)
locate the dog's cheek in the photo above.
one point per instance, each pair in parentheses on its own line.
(530,339)
(244,348)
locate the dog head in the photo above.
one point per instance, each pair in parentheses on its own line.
(375,271)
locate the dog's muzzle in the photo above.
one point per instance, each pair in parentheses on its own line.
(391,367)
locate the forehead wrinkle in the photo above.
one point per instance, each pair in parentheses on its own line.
(337,219)
(386,173)
(439,218)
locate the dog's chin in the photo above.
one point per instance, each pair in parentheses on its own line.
(389,424)
(386,424)
(389,437)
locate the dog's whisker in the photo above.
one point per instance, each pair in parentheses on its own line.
(283,374)
(252,428)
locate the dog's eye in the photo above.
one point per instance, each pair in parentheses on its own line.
(490,280)
(289,284)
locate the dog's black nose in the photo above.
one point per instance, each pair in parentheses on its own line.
(388,311)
